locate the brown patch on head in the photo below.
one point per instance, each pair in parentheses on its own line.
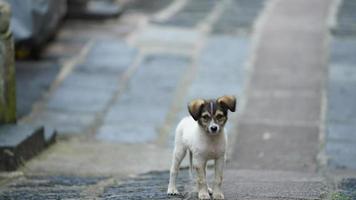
(195,108)
(228,102)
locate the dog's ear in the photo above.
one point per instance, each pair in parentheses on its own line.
(228,102)
(195,107)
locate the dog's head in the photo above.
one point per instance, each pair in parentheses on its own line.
(211,115)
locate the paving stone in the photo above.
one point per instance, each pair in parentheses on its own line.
(127,133)
(147,7)
(345,19)
(66,122)
(341,93)
(341,51)
(340,154)
(79,99)
(341,131)
(32,80)
(237,17)
(191,14)
(108,56)
(150,93)
(342,73)
(105,82)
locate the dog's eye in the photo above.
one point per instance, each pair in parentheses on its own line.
(206,117)
(219,117)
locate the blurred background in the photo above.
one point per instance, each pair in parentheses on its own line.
(91,92)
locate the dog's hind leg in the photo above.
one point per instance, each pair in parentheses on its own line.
(178,155)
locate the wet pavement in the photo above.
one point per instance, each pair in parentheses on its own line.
(116,89)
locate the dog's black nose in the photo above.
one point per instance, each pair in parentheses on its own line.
(214,128)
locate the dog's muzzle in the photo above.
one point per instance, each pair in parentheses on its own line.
(213,128)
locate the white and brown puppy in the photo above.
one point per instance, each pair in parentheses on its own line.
(204,136)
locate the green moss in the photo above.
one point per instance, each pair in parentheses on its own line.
(339,196)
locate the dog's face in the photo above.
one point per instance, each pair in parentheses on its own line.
(212,115)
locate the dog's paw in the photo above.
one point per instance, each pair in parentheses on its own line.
(172,191)
(218,195)
(204,195)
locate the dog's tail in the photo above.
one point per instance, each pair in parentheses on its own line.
(191,164)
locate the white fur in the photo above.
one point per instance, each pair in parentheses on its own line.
(203,146)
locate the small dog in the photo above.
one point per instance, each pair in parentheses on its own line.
(204,136)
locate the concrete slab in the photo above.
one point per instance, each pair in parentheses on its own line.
(275,147)
(289,109)
(281,131)
(13,135)
(19,143)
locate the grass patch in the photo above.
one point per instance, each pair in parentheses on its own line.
(339,196)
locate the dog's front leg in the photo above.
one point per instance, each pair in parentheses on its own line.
(201,180)
(219,168)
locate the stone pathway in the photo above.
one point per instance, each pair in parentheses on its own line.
(117,101)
